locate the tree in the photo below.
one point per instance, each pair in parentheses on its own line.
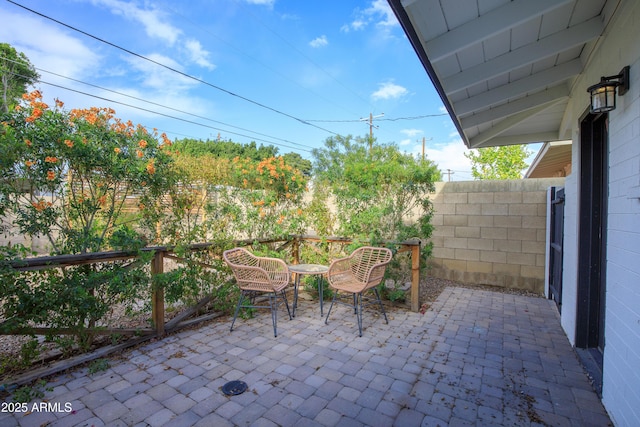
(225,148)
(376,188)
(298,162)
(67,175)
(505,162)
(16,74)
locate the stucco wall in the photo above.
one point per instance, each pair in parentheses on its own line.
(491,232)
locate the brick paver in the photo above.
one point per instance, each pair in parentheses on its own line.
(475,358)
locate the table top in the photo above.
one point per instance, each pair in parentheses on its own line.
(309,268)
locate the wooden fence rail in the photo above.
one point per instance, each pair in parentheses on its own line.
(160,326)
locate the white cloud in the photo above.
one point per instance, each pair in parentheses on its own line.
(389,90)
(154,24)
(381,9)
(157,26)
(53,49)
(319,42)
(159,78)
(269,3)
(407,141)
(449,156)
(192,104)
(411,132)
(379,13)
(198,55)
(355,25)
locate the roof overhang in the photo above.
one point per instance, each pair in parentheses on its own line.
(504,69)
(553,160)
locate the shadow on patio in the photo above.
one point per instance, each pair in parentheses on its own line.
(476,357)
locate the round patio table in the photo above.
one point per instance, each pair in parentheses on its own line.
(309,270)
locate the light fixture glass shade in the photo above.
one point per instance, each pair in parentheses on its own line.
(603,94)
(603,97)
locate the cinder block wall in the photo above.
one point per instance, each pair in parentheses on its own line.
(491,232)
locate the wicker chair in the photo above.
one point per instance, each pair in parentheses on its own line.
(258,275)
(357,273)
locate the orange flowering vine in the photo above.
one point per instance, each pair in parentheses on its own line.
(165,140)
(50,159)
(142,143)
(151,167)
(41,205)
(68,143)
(35,114)
(51,175)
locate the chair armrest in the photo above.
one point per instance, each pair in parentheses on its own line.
(276,269)
(376,274)
(339,266)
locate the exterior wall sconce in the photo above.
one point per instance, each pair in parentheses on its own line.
(603,94)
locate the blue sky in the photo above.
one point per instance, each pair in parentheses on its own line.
(290,73)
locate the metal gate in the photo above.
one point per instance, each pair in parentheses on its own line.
(555,250)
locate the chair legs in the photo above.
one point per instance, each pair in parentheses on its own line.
(273,303)
(273,306)
(381,305)
(358,306)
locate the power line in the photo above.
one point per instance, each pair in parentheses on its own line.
(165,115)
(449,172)
(371,126)
(173,69)
(171,108)
(415,117)
(304,55)
(266,66)
(159,105)
(382,120)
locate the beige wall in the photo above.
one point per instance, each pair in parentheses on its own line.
(491,232)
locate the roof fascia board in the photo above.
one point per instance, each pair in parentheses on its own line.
(487,25)
(543,151)
(542,79)
(558,42)
(415,41)
(542,154)
(554,94)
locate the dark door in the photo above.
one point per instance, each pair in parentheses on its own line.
(556,223)
(592,236)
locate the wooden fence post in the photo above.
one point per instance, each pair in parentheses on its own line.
(415,277)
(295,250)
(157,298)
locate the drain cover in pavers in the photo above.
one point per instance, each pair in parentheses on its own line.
(234,387)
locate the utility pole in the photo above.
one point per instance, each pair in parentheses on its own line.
(449,173)
(423,142)
(371,126)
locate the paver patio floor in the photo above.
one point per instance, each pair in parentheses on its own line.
(476,358)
